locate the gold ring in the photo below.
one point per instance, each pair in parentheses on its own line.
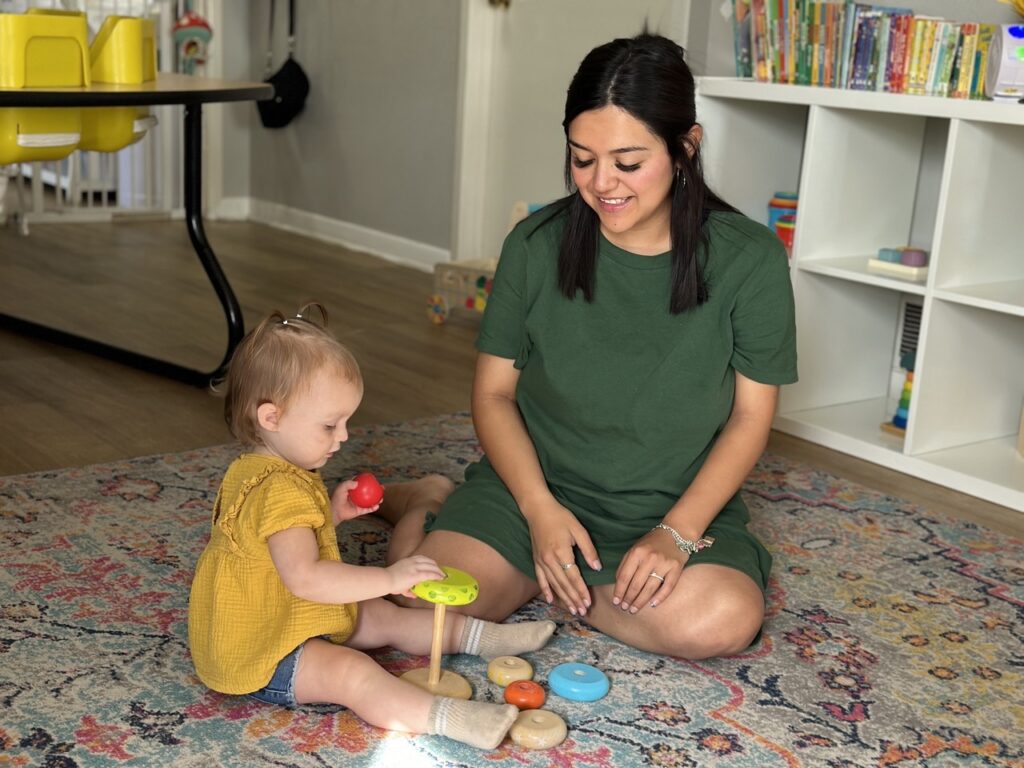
(654,575)
(567,566)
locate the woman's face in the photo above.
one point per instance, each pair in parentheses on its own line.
(624,172)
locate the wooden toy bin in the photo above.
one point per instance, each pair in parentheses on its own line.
(41,49)
(123,52)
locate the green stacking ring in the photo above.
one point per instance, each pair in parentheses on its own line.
(458,588)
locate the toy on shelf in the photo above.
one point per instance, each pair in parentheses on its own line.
(1004,75)
(466,283)
(457,588)
(192,35)
(904,263)
(463,284)
(782,217)
(898,425)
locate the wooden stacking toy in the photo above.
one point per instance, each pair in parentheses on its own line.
(457,588)
(507,669)
(538,729)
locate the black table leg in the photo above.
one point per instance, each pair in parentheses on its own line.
(194,222)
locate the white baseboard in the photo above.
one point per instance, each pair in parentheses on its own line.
(233,209)
(354,236)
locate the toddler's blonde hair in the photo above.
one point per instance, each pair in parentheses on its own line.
(277,360)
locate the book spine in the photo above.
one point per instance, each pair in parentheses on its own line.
(904,66)
(741,37)
(985,35)
(837,52)
(876,80)
(950,42)
(862,55)
(931,51)
(914,69)
(803,71)
(963,86)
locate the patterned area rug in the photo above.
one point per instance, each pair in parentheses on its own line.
(894,635)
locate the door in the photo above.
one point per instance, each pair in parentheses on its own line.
(516,62)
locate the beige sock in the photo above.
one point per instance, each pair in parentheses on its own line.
(477,723)
(489,640)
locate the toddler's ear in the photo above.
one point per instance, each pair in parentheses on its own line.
(268,415)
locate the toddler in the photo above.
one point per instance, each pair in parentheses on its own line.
(274,613)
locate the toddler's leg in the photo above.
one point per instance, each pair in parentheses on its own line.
(489,640)
(406,505)
(340,675)
(381,623)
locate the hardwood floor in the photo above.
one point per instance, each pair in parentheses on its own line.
(138,284)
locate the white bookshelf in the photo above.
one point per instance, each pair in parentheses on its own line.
(881,170)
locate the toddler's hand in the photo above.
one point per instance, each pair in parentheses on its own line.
(342,506)
(410,571)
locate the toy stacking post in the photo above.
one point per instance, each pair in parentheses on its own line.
(457,588)
(898,425)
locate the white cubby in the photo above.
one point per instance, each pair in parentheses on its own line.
(880,170)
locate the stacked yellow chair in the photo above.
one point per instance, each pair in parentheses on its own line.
(42,50)
(123,53)
(45,48)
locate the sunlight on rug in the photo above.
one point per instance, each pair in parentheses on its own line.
(894,635)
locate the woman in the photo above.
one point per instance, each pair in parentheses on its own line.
(630,359)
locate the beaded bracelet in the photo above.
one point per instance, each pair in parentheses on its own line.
(685,545)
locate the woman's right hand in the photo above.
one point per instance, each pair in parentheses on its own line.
(410,571)
(555,533)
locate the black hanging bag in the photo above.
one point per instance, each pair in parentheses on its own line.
(291,86)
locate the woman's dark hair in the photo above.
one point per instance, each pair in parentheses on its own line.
(647,77)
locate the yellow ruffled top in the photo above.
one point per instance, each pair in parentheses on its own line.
(242,620)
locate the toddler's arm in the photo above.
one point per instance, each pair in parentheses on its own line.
(297,558)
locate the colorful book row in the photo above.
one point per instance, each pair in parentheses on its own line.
(844,44)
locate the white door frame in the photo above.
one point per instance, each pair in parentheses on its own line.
(478,25)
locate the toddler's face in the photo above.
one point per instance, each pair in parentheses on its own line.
(315,423)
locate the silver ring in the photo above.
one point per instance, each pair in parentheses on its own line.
(654,575)
(567,566)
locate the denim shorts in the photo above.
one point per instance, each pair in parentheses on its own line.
(281,688)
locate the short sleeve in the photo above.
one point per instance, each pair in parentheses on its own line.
(763,319)
(286,501)
(503,326)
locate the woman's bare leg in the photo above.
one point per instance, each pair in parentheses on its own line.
(503,588)
(406,505)
(713,611)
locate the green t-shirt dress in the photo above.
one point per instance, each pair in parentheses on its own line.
(622,399)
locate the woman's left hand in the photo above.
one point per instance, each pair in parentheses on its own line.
(648,573)
(342,507)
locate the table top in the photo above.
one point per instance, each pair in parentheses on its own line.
(166,89)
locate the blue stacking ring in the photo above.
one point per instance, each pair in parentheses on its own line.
(578,682)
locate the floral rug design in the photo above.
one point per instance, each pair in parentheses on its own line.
(895,635)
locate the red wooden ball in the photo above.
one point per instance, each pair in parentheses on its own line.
(367,493)
(525,694)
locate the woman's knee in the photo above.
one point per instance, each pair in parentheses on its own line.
(724,631)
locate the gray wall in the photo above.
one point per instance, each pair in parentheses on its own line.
(375,145)
(713,55)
